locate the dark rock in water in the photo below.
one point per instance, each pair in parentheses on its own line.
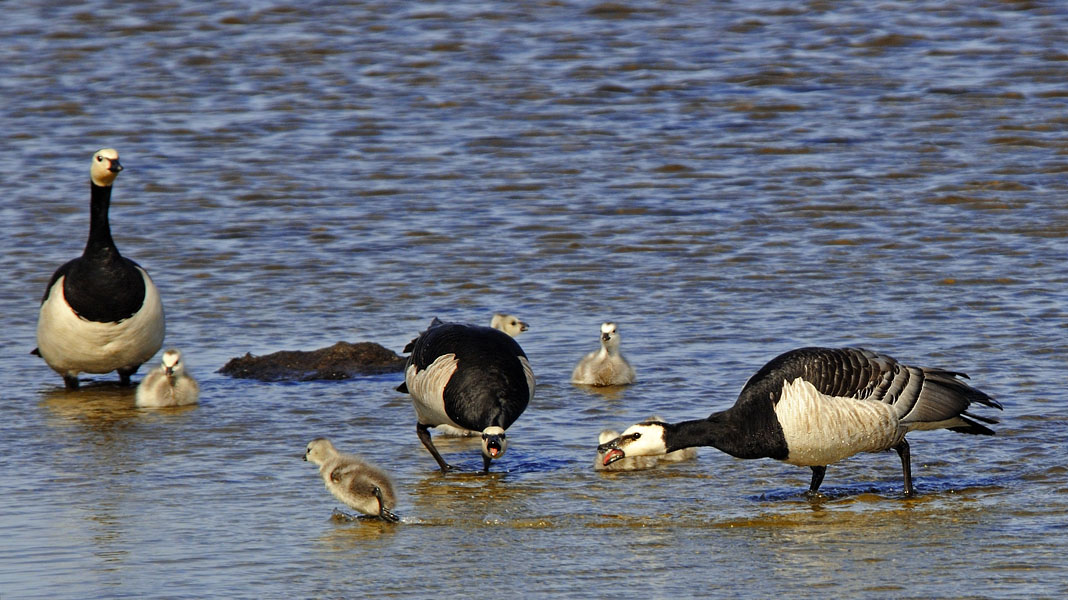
(340,361)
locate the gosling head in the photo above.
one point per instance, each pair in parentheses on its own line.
(509,324)
(172,363)
(105,167)
(494,443)
(609,335)
(643,439)
(319,451)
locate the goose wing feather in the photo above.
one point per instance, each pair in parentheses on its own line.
(919,395)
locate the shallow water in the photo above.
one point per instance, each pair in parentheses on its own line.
(725,181)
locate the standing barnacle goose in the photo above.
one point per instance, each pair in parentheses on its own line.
(100,312)
(815,406)
(606,366)
(469,377)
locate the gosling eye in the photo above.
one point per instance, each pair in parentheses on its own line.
(99,159)
(635,435)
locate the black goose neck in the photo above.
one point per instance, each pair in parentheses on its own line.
(99,228)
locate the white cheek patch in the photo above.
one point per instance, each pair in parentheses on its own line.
(821,430)
(427,388)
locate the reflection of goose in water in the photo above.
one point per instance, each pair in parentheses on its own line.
(100,311)
(815,406)
(352,481)
(605,366)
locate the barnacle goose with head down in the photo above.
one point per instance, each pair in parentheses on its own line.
(815,406)
(351,480)
(606,366)
(469,377)
(100,312)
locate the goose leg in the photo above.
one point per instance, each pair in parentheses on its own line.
(906,466)
(423,432)
(485,463)
(70,381)
(817,479)
(125,374)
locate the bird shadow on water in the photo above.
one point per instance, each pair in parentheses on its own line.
(99,403)
(929,489)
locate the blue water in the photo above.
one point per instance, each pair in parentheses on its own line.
(725,181)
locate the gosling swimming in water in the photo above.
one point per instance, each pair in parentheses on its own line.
(352,481)
(605,366)
(168,385)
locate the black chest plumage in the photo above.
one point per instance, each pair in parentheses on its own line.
(104,288)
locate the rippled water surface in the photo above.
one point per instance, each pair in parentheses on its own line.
(725,180)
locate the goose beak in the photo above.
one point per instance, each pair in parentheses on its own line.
(611,451)
(493,447)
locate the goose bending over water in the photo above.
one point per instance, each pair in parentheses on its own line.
(815,406)
(468,377)
(100,312)
(352,481)
(168,385)
(605,366)
(509,324)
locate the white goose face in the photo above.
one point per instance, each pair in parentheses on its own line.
(643,439)
(105,167)
(319,450)
(494,442)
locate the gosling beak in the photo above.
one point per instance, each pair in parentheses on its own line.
(523,326)
(605,337)
(115,167)
(169,371)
